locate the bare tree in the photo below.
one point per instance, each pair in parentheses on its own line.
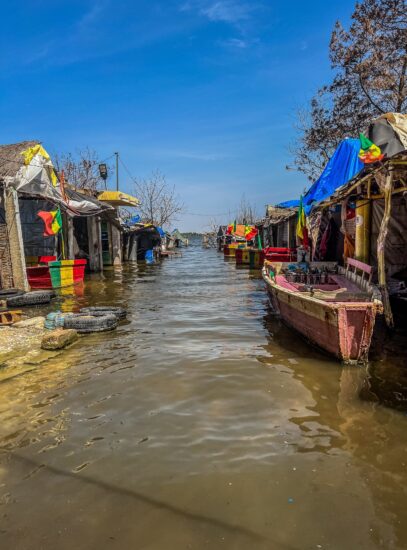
(160,205)
(370,64)
(81,169)
(246,212)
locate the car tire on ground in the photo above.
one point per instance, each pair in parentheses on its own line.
(7,293)
(33,298)
(85,323)
(120,312)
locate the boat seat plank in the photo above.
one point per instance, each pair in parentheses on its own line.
(343,281)
(359,265)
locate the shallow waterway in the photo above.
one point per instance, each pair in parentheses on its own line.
(201,422)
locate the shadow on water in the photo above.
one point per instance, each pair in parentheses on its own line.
(384,381)
(386,384)
(125,492)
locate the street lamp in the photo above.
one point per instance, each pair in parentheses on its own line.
(103,172)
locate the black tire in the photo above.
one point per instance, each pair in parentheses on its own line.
(7,293)
(120,312)
(33,298)
(85,323)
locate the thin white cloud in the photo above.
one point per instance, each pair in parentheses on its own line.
(227,11)
(235,43)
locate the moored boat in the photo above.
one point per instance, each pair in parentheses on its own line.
(242,256)
(229,250)
(333,307)
(254,257)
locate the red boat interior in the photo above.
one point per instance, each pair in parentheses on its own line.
(341,289)
(39,275)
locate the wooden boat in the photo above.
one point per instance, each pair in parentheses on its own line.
(50,273)
(334,310)
(229,250)
(242,256)
(67,272)
(38,274)
(254,258)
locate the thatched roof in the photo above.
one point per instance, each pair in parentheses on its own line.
(11,159)
(276,214)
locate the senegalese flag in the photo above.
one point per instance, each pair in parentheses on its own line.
(250,232)
(231,228)
(52,221)
(369,152)
(302,230)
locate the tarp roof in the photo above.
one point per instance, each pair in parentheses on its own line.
(289,204)
(84,205)
(389,132)
(399,167)
(11,159)
(341,167)
(28,168)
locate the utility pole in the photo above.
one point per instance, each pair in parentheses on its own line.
(117,171)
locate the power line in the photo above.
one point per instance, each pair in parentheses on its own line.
(127,170)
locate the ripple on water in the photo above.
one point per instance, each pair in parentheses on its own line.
(204,416)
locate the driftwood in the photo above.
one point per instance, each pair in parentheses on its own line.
(387,188)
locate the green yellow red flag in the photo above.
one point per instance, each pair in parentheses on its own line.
(250,232)
(302,230)
(52,221)
(369,152)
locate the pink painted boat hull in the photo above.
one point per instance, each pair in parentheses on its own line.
(343,329)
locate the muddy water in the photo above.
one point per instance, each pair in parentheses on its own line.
(200,423)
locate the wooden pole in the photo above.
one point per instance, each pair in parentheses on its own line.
(381,242)
(15,239)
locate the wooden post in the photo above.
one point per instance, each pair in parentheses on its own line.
(133,248)
(15,237)
(116,245)
(362,236)
(288,233)
(70,238)
(95,244)
(381,242)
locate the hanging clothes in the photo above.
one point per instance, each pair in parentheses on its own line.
(323,223)
(327,250)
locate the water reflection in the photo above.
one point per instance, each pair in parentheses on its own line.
(386,383)
(201,422)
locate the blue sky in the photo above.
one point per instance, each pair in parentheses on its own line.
(206,91)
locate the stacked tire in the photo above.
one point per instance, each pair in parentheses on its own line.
(85,323)
(119,312)
(34,298)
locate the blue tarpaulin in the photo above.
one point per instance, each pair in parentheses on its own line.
(289,204)
(341,167)
(161,232)
(149,256)
(133,220)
